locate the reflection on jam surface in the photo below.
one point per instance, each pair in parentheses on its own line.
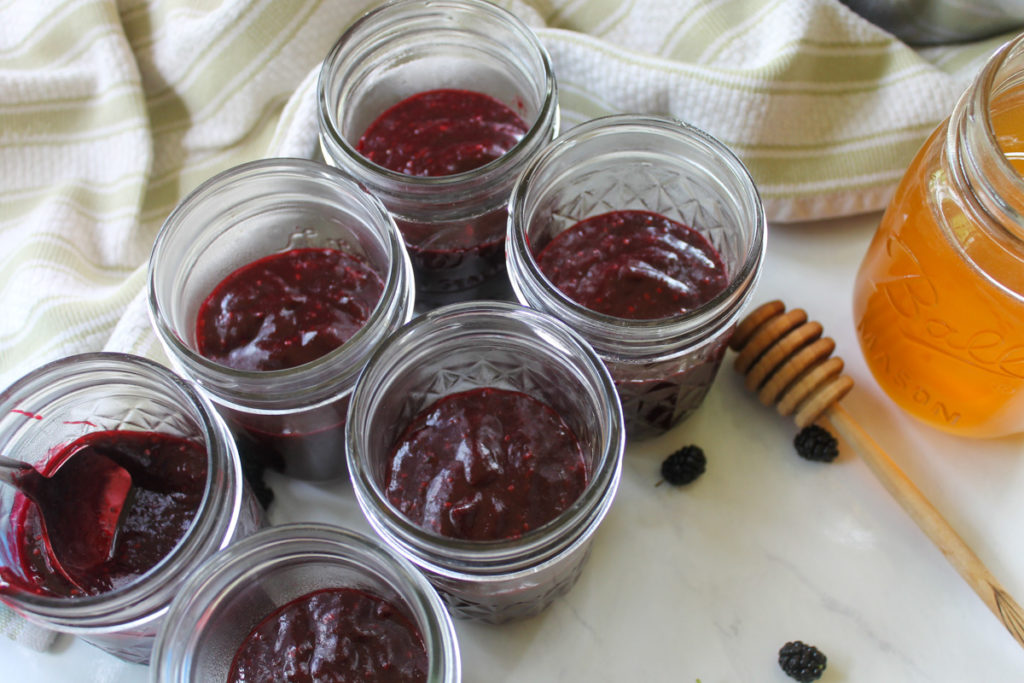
(485,464)
(169,478)
(440,133)
(332,635)
(634,264)
(287,309)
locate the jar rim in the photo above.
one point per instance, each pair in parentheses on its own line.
(417,186)
(501,556)
(296,380)
(143,598)
(978,163)
(283,545)
(693,325)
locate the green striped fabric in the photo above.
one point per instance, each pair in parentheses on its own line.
(110,112)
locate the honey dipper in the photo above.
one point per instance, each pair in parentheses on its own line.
(788,363)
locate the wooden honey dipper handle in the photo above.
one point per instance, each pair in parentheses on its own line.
(788,364)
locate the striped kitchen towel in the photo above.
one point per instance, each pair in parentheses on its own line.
(110,111)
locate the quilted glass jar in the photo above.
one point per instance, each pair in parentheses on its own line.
(662,367)
(462,347)
(453,224)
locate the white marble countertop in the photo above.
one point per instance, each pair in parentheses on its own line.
(707,581)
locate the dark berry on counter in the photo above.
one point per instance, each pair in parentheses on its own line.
(684,465)
(814,442)
(801,661)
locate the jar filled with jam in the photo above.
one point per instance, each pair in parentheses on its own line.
(939,297)
(269,286)
(187,498)
(485,445)
(307,602)
(434,108)
(646,236)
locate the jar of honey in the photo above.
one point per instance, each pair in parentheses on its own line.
(939,297)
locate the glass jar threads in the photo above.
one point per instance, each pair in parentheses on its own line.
(458,359)
(612,197)
(939,297)
(321,242)
(285,567)
(471,97)
(187,480)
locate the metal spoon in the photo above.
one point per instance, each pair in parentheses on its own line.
(80,505)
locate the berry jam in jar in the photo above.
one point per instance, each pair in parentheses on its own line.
(333,634)
(646,236)
(634,264)
(435,108)
(269,286)
(307,602)
(485,444)
(168,478)
(485,464)
(187,500)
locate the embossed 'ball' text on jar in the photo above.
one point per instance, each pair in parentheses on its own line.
(939,297)
(648,173)
(190,498)
(522,416)
(445,173)
(334,272)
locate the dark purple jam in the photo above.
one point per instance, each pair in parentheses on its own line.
(168,479)
(441,133)
(634,264)
(278,312)
(485,464)
(287,309)
(332,636)
(640,265)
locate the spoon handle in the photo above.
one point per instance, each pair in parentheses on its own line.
(789,365)
(11,468)
(931,522)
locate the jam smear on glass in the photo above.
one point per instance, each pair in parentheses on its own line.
(287,309)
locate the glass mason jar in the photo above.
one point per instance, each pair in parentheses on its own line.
(60,402)
(454,225)
(290,419)
(501,345)
(662,367)
(939,297)
(232,593)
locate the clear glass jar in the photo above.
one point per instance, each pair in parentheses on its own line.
(488,344)
(223,601)
(939,297)
(408,47)
(291,419)
(58,403)
(663,367)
